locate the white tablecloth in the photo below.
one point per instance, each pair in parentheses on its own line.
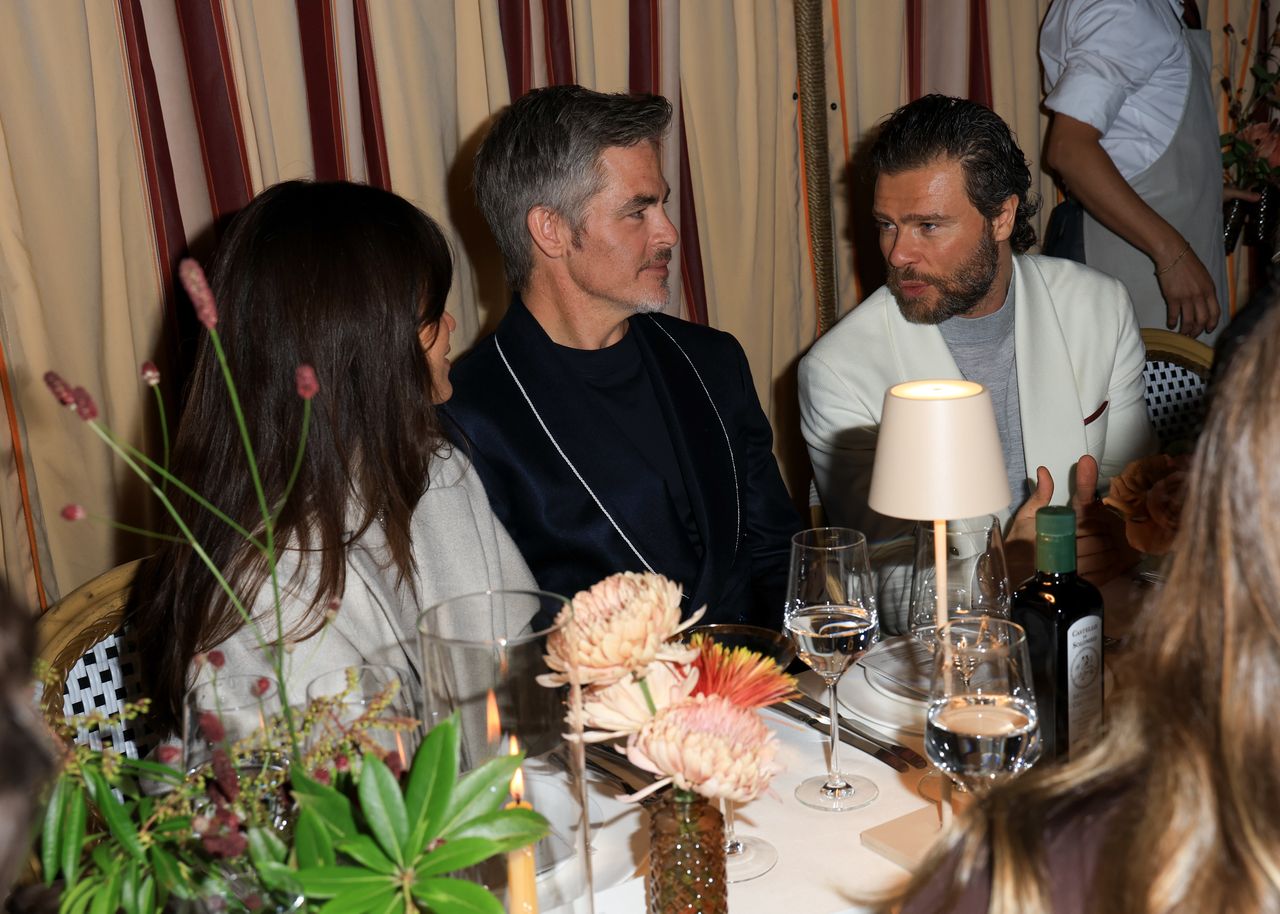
(822,866)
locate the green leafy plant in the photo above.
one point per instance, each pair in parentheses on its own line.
(369,842)
(1251,147)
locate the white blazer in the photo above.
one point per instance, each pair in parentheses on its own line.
(1079,362)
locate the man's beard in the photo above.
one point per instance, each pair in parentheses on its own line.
(958,293)
(659,303)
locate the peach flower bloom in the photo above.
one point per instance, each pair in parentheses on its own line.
(1149,493)
(709,745)
(621,708)
(1265,141)
(619,626)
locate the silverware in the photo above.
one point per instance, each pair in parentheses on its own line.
(847,736)
(910,756)
(619,772)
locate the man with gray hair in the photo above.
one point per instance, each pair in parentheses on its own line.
(610,436)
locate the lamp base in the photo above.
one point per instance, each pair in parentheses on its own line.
(907,839)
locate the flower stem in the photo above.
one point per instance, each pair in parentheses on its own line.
(164,432)
(297,461)
(648,697)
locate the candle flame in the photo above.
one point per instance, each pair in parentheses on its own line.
(492,724)
(517,779)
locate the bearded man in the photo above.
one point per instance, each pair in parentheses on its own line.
(1054,342)
(610,436)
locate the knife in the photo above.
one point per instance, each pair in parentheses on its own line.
(846,735)
(910,756)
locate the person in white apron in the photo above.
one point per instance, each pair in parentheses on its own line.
(1134,136)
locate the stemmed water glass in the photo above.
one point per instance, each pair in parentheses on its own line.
(830,615)
(977,575)
(747,856)
(977,582)
(981,725)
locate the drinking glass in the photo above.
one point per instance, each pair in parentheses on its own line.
(233,726)
(747,856)
(830,615)
(366,707)
(981,726)
(482,656)
(977,575)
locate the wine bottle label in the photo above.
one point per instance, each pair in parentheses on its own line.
(1084,684)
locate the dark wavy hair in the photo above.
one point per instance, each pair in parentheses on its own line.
(544,151)
(343,277)
(938,126)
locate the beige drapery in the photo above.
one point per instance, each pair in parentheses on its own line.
(87,245)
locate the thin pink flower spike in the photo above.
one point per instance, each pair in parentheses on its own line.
(73,512)
(86,409)
(216,660)
(60,388)
(150,373)
(193,280)
(308,385)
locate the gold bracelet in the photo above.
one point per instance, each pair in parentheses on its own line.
(1173,263)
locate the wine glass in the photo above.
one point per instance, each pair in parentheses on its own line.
(981,726)
(830,614)
(747,856)
(977,575)
(364,707)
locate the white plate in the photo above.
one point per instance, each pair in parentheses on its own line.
(899,668)
(877,707)
(619,836)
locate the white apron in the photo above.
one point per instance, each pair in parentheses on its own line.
(1184,186)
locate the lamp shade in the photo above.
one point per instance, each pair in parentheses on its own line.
(938,454)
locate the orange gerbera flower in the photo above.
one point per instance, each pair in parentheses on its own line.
(741,675)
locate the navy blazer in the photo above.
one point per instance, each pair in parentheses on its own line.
(580,500)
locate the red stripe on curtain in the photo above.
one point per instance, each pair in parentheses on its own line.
(695,287)
(320,72)
(375,135)
(517,27)
(162,186)
(979,54)
(226,162)
(915,47)
(645,31)
(559,42)
(24,487)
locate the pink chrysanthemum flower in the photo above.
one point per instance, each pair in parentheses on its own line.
(150,373)
(621,708)
(709,745)
(193,280)
(619,626)
(305,378)
(739,674)
(86,409)
(73,512)
(60,388)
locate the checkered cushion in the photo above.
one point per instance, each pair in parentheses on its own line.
(1175,401)
(105,678)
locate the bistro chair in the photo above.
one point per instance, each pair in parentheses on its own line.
(83,639)
(1175,377)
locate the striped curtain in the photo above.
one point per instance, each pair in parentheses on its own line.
(131,130)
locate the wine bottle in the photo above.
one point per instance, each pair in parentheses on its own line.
(1062,615)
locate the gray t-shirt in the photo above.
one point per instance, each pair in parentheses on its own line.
(983,348)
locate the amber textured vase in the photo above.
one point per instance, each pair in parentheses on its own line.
(686,856)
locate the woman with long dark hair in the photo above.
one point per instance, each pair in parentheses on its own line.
(385,517)
(1178,808)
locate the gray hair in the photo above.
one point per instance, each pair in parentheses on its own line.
(544,150)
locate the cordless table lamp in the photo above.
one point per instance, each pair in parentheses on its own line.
(938,458)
